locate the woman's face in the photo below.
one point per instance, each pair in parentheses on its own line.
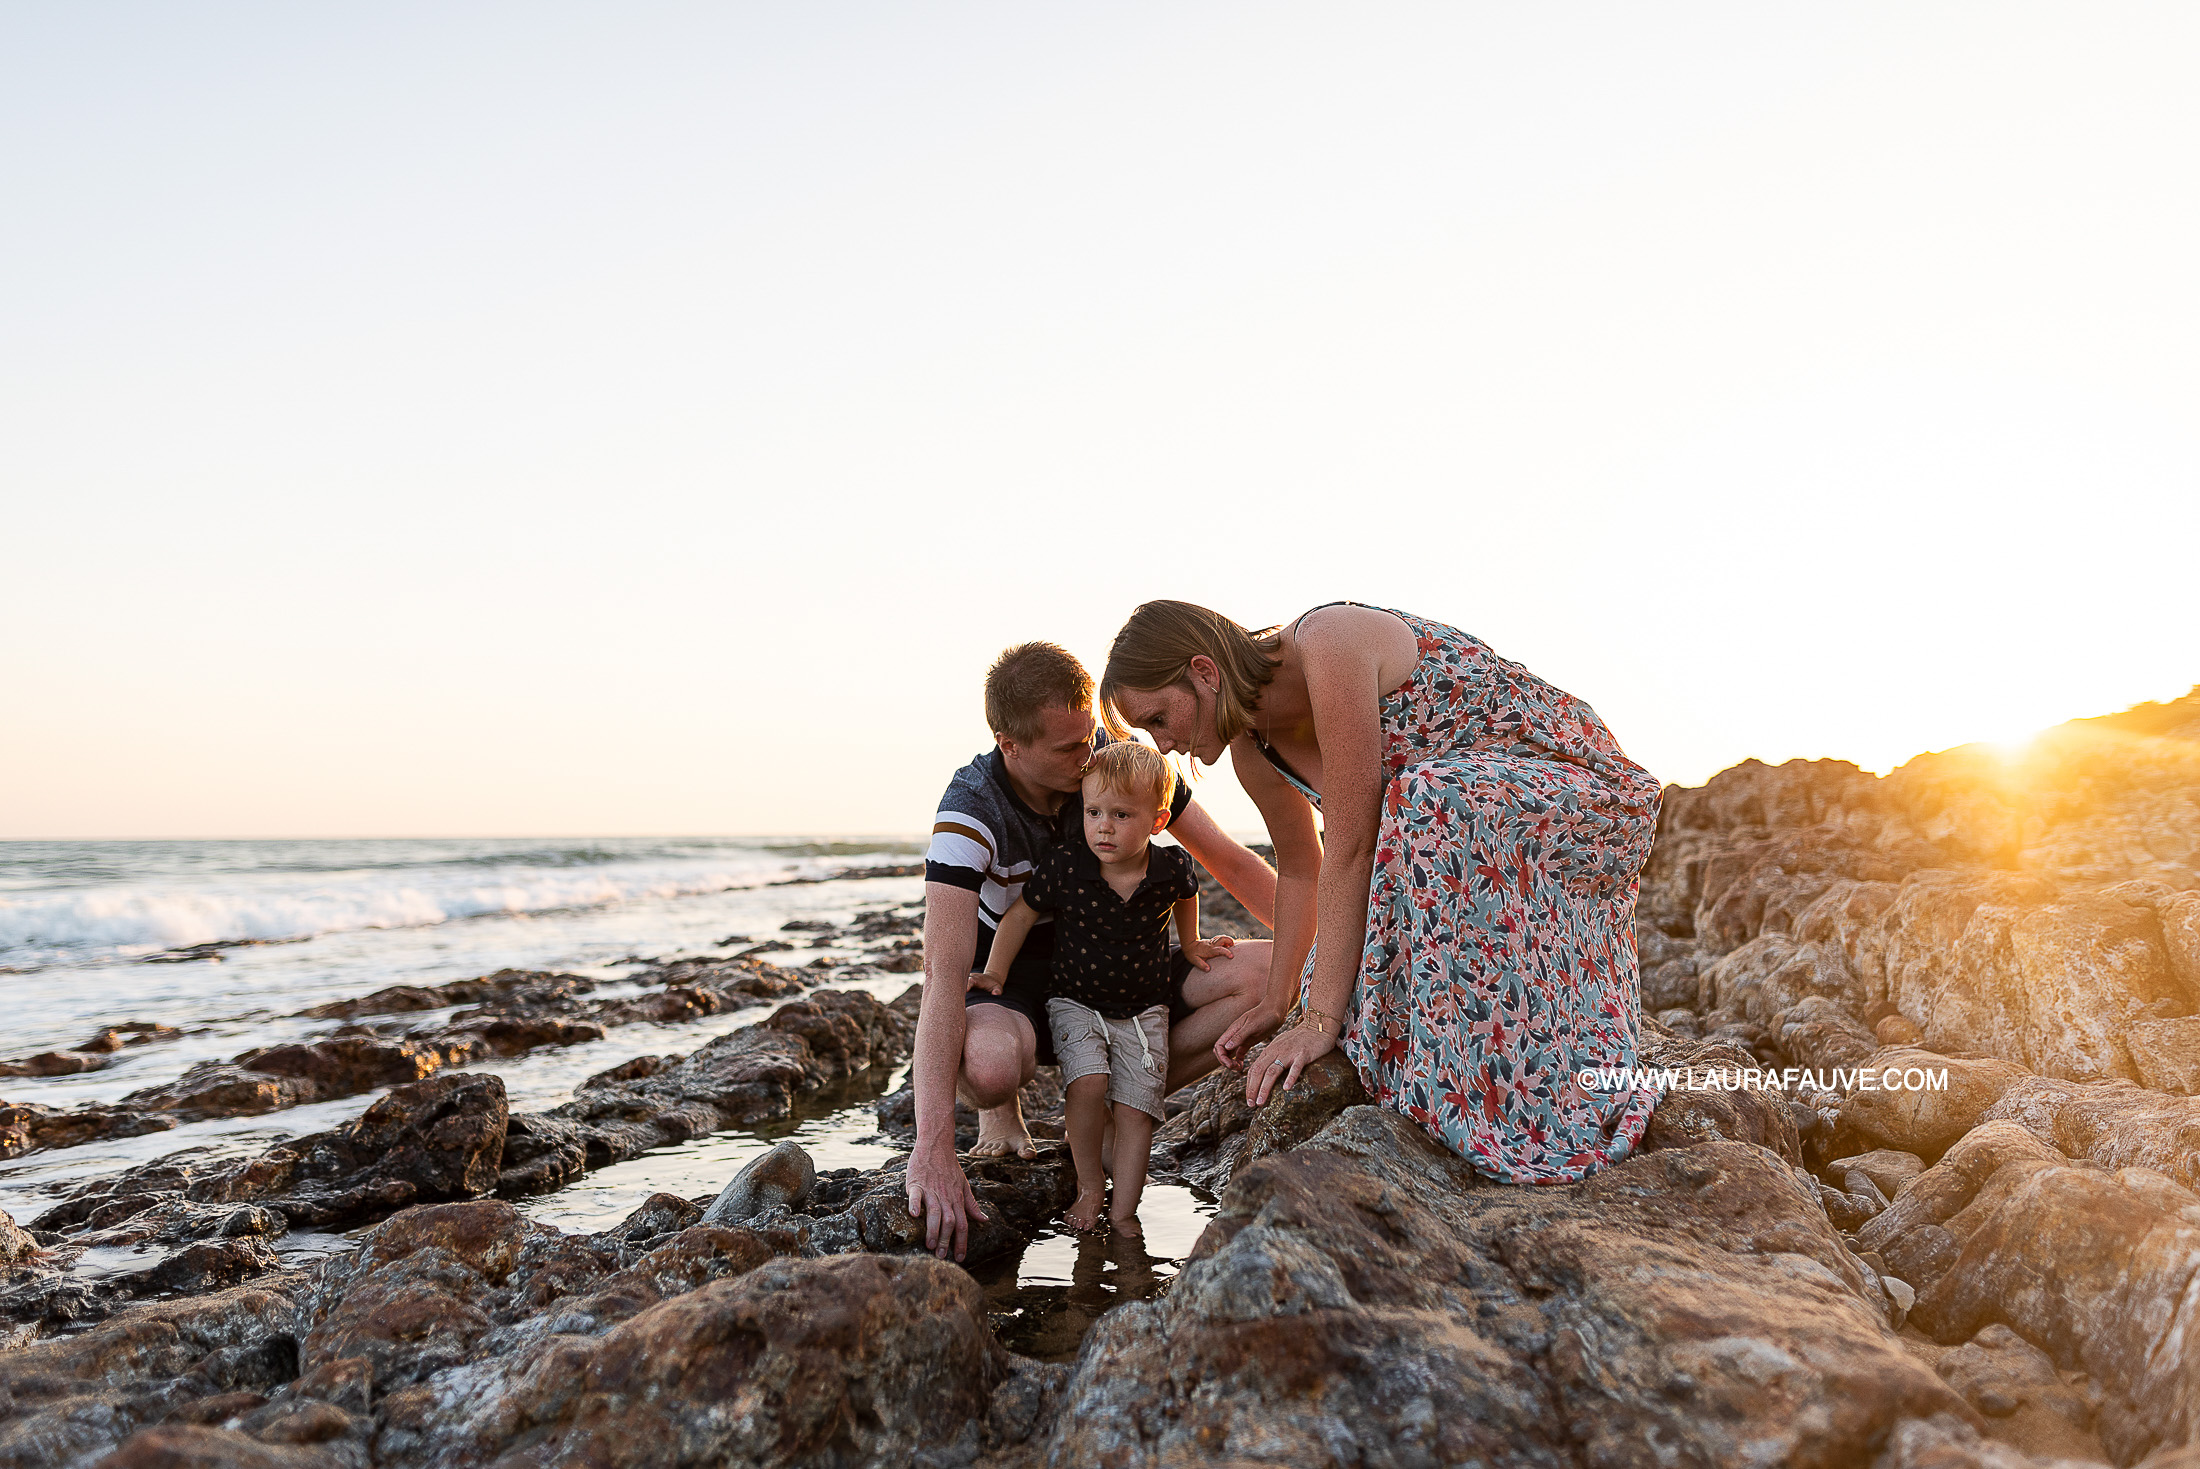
(1179,717)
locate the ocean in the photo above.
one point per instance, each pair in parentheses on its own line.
(228,941)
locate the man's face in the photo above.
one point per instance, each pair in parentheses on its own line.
(1056,760)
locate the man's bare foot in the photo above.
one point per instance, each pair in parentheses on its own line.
(1001,1134)
(1084,1215)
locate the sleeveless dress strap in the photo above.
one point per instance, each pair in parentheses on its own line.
(1283,766)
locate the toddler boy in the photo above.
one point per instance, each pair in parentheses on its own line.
(1108,999)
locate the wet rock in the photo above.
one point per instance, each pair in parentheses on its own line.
(780,1178)
(27,1126)
(76,1397)
(127,1033)
(16,1247)
(522,1011)
(521,985)
(436,1139)
(541,1155)
(1368,1289)
(746,1076)
(54,1063)
(198,1268)
(275,1077)
(1020,1197)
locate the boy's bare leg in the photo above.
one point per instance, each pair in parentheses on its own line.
(1087,1118)
(1133,1144)
(1000,1052)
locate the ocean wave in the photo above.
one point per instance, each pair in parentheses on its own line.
(147,917)
(31,866)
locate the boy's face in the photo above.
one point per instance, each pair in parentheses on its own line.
(1118,823)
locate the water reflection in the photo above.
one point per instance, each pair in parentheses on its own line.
(1044,1302)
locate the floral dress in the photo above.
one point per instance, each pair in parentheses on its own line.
(1500,954)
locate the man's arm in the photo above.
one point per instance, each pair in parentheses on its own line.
(938,1189)
(1243,875)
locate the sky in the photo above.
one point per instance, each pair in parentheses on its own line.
(559,419)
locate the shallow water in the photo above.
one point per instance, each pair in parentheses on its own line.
(340,919)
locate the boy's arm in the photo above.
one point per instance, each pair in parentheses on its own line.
(1187,922)
(1008,941)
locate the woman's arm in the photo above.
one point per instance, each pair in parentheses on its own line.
(1344,687)
(1298,872)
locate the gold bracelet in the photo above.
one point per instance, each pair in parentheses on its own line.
(1309,1010)
(1314,1025)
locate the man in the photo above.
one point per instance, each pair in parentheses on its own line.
(1000,814)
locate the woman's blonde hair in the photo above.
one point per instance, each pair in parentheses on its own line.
(1155,651)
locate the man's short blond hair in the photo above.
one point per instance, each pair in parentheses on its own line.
(1134,770)
(1028,680)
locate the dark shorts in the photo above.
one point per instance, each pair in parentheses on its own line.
(1030,1002)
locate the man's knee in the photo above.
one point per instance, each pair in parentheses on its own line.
(999,1056)
(1240,979)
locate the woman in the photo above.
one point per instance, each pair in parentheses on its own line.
(1483,836)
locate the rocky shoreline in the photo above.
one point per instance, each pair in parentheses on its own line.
(1822,1270)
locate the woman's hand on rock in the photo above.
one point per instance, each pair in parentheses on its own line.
(1245,1033)
(980,980)
(1287,1055)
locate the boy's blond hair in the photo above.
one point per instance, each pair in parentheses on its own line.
(1133,768)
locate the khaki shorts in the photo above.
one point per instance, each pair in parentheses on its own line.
(1133,1054)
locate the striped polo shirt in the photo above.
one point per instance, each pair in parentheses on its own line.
(987,840)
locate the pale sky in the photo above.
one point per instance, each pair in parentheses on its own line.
(466,419)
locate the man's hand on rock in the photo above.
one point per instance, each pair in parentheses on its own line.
(941,1194)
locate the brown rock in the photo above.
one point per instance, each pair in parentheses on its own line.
(1368,1290)
(186,1447)
(1898,1030)
(856,1359)
(2006,1229)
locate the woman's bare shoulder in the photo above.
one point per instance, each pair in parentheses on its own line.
(1365,638)
(1382,637)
